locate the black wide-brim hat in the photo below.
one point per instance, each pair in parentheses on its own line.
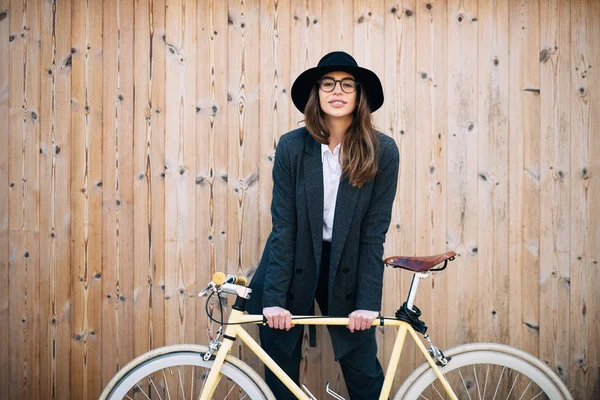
(337,61)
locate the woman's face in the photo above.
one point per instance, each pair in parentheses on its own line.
(337,103)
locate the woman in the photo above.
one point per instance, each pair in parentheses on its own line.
(334,184)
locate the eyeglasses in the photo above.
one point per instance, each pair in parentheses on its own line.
(348,85)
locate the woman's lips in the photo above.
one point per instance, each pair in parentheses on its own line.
(337,103)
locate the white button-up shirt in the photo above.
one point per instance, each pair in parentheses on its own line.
(332,170)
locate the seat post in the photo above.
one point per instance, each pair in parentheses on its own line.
(414,285)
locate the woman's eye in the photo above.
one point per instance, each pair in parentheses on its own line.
(348,85)
(327,84)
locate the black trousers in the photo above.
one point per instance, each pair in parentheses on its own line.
(362,371)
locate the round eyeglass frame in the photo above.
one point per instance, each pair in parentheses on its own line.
(335,81)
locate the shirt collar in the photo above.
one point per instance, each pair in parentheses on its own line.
(325,149)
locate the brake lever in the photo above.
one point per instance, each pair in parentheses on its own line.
(209,288)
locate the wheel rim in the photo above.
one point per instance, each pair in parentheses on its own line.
(501,376)
(181,376)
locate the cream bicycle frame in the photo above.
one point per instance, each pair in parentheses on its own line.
(235,330)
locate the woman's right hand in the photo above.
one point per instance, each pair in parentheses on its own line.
(278,318)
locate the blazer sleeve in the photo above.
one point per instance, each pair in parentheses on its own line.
(374,227)
(283,236)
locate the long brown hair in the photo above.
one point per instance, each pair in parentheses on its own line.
(360,146)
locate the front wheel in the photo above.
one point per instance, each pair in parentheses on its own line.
(486,371)
(178,372)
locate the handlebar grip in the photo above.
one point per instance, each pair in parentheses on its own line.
(241,280)
(219,278)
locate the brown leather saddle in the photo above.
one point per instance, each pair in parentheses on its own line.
(421,264)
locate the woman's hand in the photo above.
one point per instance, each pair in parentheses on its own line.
(278,318)
(361,320)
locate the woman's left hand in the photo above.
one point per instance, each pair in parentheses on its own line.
(361,320)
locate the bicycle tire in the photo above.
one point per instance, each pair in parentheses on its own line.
(128,379)
(482,357)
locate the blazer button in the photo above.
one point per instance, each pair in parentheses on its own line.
(299,271)
(346,270)
(290,296)
(348,296)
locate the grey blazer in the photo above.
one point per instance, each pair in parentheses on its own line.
(289,267)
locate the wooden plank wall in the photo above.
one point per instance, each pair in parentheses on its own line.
(137,140)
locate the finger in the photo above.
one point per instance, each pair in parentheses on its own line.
(288,322)
(276,322)
(351,323)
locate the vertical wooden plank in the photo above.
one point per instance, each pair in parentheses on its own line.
(369,47)
(306,44)
(461,203)
(275,104)
(584,311)
(338,26)
(117,170)
(492,172)
(24,314)
(212,176)
(555,183)
(306,51)
(243,139)
(275,109)
(86,200)
(55,171)
(148,189)
(180,165)
(24,80)
(524,170)
(23,198)
(430,159)
(4,156)
(493,68)
(401,35)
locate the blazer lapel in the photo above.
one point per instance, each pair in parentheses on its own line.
(313,182)
(344,210)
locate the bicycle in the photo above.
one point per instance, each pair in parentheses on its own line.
(460,372)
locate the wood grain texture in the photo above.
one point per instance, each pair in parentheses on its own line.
(86,199)
(55,204)
(524,175)
(4,210)
(584,200)
(117,201)
(400,122)
(430,158)
(137,140)
(555,183)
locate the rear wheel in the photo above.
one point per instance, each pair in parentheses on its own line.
(486,371)
(179,372)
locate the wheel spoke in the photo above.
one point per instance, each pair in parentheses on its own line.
(203,384)
(525,391)
(499,380)
(152,381)
(477,382)
(234,385)
(487,372)
(537,395)
(513,386)
(192,389)
(464,384)
(142,390)
(167,383)
(181,383)
(434,388)
(421,395)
